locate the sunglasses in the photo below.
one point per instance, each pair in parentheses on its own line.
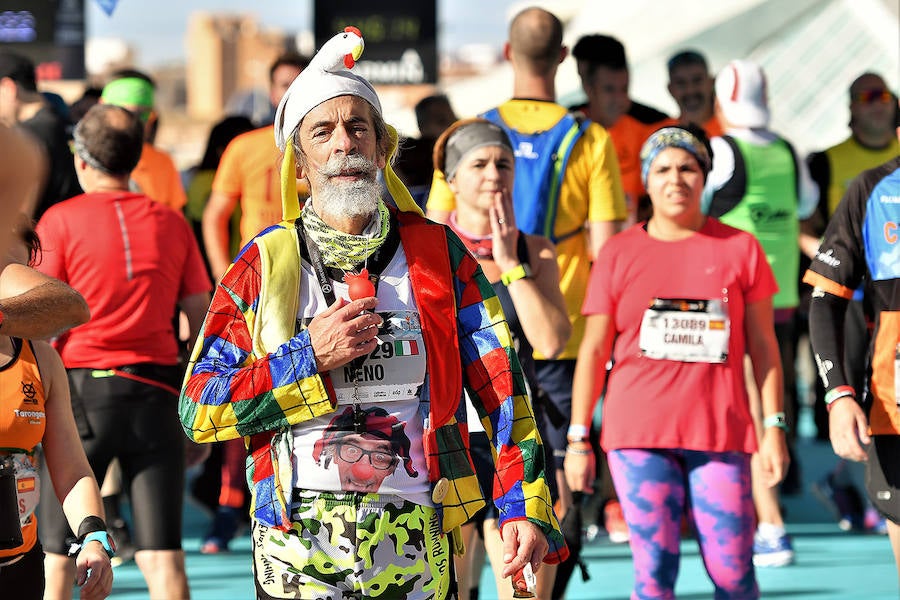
(872,96)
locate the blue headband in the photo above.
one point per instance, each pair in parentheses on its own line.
(672,137)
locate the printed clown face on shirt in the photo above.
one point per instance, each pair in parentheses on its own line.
(366,446)
(363,462)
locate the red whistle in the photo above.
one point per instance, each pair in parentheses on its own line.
(359,286)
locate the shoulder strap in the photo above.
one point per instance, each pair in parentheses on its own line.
(796,167)
(493,115)
(563,153)
(541,159)
(730,195)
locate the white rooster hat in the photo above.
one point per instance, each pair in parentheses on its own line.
(328,76)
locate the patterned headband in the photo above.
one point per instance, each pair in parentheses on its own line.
(673,137)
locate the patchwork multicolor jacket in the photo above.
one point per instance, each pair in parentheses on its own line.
(252,374)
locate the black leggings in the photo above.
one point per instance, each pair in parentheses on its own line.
(137,423)
(24,579)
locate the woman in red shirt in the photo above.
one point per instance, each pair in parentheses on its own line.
(676,302)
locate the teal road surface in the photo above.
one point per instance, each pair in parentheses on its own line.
(830,564)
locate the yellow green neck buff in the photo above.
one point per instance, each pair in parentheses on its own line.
(344,250)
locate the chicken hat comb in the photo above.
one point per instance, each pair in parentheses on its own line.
(328,76)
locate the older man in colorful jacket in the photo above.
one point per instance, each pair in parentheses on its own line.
(365,504)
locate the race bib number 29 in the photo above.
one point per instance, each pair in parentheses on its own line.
(685,330)
(394,370)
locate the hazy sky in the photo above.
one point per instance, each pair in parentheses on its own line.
(156,28)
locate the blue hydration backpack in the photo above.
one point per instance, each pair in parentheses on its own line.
(541,159)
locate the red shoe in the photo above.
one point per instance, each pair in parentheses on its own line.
(615,522)
(211,547)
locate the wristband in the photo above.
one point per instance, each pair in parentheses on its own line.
(516,273)
(92,529)
(578,452)
(106,540)
(89,524)
(578,433)
(775,420)
(841,391)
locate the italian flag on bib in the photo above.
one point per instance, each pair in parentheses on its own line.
(406,348)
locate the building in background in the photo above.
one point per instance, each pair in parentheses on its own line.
(228,57)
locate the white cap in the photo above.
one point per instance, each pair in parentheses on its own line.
(741,92)
(327,76)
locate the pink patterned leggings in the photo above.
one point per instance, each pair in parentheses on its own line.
(657,486)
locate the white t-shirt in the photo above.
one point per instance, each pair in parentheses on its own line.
(330,452)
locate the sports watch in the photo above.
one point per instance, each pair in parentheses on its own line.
(521,271)
(105,539)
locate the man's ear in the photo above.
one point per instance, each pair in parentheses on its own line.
(563,53)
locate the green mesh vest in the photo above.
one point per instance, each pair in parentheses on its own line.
(768,210)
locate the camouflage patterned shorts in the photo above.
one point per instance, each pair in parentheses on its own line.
(353,545)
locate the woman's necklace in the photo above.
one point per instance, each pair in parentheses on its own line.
(480,246)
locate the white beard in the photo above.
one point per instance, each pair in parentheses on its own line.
(347,199)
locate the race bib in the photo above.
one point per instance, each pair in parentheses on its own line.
(685,330)
(28,486)
(393,371)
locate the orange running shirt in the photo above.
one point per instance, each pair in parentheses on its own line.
(249,170)
(22,423)
(157,177)
(628,135)
(712,128)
